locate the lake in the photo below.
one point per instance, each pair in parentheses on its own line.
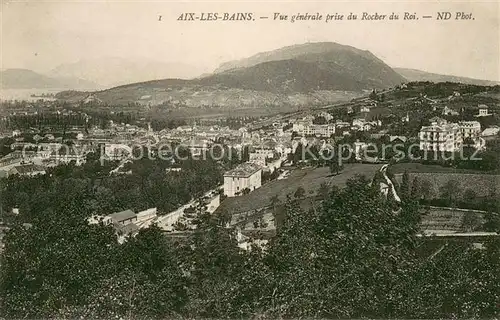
(25,94)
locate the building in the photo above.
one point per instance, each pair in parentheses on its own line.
(117,151)
(359,150)
(259,155)
(470,129)
(126,218)
(483,111)
(324,130)
(27,170)
(398,139)
(49,146)
(300,125)
(364,109)
(342,124)
(123,217)
(198,147)
(23,146)
(326,115)
(360,124)
(440,136)
(17,157)
(491,132)
(449,112)
(67,155)
(246,176)
(406,118)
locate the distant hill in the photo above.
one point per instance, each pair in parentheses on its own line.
(112,72)
(286,76)
(344,61)
(28,79)
(418,75)
(297,75)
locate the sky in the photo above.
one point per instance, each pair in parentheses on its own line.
(41,35)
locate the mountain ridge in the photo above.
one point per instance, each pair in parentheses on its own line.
(362,65)
(286,52)
(419,75)
(19,78)
(310,73)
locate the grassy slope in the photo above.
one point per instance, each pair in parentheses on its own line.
(310,179)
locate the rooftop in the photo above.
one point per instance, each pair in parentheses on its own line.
(122,215)
(29,168)
(443,127)
(243,170)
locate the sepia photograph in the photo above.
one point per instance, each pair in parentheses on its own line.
(283,159)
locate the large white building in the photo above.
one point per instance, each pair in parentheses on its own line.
(245,176)
(323,130)
(117,151)
(441,136)
(299,125)
(471,130)
(307,128)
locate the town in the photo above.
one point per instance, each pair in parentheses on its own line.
(189,160)
(249,170)
(283,157)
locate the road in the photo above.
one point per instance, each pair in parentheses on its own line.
(165,221)
(295,114)
(122,163)
(389,182)
(314,110)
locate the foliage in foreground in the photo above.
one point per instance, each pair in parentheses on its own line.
(352,256)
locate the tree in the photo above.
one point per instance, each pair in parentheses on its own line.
(334,261)
(319,120)
(424,189)
(450,191)
(405,185)
(324,190)
(216,267)
(469,197)
(492,222)
(470,222)
(291,287)
(334,167)
(349,256)
(274,201)
(415,189)
(299,193)
(56,262)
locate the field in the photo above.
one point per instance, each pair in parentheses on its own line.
(483,185)
(447,219)
(309,178)
(427,168)
(218,112)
